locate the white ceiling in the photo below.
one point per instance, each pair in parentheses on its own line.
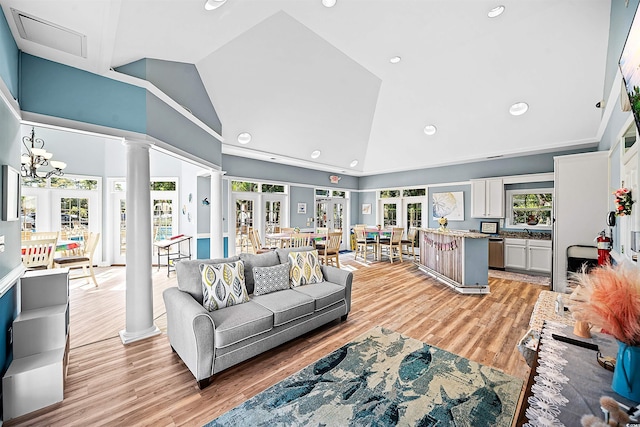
(302,77)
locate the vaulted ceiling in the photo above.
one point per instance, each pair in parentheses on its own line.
(299,76)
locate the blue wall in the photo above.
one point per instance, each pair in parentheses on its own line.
(54,89)
(9,55)
(9,155)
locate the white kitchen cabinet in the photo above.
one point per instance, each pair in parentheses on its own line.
(487,198)
(528,255)
(515,253)
(539,256)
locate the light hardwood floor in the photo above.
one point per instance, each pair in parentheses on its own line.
(145,383)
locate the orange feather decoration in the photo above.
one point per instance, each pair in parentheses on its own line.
(612,301)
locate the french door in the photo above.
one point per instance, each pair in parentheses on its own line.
(332,213)
(164,220)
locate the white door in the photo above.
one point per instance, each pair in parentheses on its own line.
(390,212)
(118,229)
(246,208)
(332,213)
(164,211)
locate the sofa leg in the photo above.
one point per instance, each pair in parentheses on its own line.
(202,384)
(344,318)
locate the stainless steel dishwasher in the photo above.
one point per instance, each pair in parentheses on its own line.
(496,252)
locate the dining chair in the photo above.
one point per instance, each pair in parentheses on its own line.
(299,240)
(410,241)
(256,243)
(25,235)
(37,254)
(364,243)
(84,260)
(330,254)
(393,246)
(45,235)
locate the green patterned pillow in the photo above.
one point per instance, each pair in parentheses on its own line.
(223,285)
(305,268)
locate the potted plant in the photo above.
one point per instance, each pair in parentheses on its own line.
(610,299)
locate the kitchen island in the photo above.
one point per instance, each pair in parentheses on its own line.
(459,259)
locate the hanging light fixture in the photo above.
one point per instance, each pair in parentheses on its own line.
(36,157)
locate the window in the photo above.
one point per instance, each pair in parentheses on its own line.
(529,208)
(272,188)
(244,186)
(74,183)
(386,194)
(414,192)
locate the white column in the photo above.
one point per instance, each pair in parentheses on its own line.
(216,235)
(139,290)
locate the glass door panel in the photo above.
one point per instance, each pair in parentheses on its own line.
(245,215)
(413,215)
(321,213)
(389,214)
(74,218)
(162,219)
(28,213)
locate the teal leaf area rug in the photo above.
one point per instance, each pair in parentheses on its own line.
(384,379)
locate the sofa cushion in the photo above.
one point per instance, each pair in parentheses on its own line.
(266,259)
(190,278)
(283,253)
(240,322)
(270,279)
(305,268)
(286,305)
(223,285)
(325,294)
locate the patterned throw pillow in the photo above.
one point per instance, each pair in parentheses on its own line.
(223,285)
(305,268)
(271,279)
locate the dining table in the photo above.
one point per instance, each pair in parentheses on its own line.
(378,233)
(284,238)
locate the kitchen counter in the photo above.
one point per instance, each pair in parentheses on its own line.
(524,235)
(460,233)
(456,258)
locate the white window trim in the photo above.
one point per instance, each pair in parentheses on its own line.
(509,211)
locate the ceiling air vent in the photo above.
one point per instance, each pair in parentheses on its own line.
(51,35)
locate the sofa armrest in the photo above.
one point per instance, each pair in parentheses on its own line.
(191,332)
(339,277)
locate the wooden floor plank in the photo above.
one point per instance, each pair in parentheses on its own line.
(145,383)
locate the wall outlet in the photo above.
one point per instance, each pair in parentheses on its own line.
(1,248)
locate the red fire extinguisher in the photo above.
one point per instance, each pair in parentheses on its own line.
(604,248)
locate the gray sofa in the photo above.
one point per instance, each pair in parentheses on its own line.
(209,342)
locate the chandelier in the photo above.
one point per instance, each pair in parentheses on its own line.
(37,157)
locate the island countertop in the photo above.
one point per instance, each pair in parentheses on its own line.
(456,233)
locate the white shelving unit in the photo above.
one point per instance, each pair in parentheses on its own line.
(36,375)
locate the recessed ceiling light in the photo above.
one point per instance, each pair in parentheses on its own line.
(496,11)
(328,3)
(315,154)
(244,138)
(430,129)
(519,108)
(353,163)
(395,59)
(214,4)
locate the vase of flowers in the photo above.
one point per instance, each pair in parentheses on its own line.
(443,222)
(611,300)
(624,201)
